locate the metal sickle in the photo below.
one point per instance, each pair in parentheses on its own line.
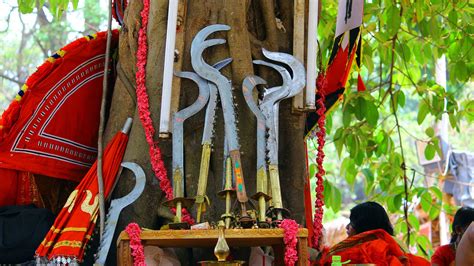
(211,107)
(184,114)
(201,199)
(298,80)
(248,85)
(178,152)
(224,87)
(261,195)
(116,206)
(269,107)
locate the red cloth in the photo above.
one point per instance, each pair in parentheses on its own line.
(74,225)
(376,246)
(18,188)
(51,127)
(444,256)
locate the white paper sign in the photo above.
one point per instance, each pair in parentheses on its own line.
(349,15)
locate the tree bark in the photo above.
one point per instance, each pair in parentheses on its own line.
(249,32)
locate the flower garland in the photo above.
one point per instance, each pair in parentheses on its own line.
(321,134)
(133,231)
(144,112)
(290,229)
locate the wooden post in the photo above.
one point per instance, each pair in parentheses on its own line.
(298,45)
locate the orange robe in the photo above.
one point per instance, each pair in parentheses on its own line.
(376,247)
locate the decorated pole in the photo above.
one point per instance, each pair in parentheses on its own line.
(312,54)
(168,69)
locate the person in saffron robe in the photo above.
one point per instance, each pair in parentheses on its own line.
(445,255)
(370,240)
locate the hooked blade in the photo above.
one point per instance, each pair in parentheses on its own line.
(116,206)
(211,106)
(224,87)
(178,120)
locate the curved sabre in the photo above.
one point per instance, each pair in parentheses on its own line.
(224,87)
(201,199)
(248,85)
(178,150)
(270,108)
(116,206)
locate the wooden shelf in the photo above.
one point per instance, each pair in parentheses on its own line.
(208,238)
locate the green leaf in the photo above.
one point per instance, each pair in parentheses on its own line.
(401,98)
(372,114)
(415,224)
(360,108)
(348,170)
(469,110)
(437,192)
(74,4)
(423,110)
(336,199)
(26,6)
(369,179)
(430,151)
(346,115)
(329,123)
(429,132)
(394,19)
(426,201)
(453,121)
(312,170)
(423,242)
(419,8)
(434,212)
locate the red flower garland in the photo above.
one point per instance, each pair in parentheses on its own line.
(318,214)
(133,231)
(290,229)
(144,112)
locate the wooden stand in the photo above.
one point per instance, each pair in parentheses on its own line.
(208,239)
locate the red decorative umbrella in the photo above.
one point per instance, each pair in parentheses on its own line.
(72,229)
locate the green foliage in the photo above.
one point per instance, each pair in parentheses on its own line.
(57,7)
(372,152)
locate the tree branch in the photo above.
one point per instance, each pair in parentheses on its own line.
(19,82)
(38,42)
(8,20)
(397,125)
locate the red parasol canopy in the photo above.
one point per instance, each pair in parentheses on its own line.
(73,227)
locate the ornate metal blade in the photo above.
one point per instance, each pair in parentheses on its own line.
(211,106)
(268,109)
(248,85)
(224,87)
(261,196)
(201,198)
(116,206)
(178,120)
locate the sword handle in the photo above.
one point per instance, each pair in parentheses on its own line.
(202,181)
(275,188)
(262,186)
(239,176)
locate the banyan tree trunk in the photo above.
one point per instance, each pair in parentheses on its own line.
(253,26)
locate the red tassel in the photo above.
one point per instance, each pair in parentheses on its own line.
(360,84)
